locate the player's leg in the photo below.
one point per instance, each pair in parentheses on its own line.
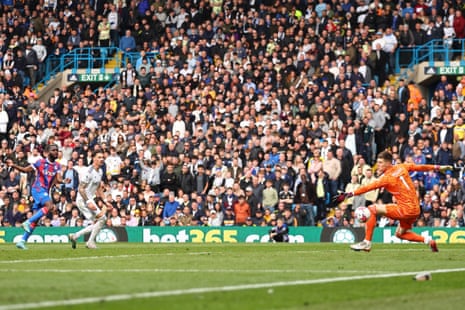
(365,245)
(42,204)
(97,226)
(88,214)
(407,215)
(404,232)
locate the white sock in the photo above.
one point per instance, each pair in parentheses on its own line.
(84,231)
(427,239)
(96,229)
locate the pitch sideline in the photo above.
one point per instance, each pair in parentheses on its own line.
(155,270)
(119,297)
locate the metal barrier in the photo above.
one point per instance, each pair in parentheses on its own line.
(92,59)
(88,59)
(432,51)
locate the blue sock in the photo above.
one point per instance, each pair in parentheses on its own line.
(26,236)
(36,216)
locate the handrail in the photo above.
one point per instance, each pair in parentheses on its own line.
(432,51)
(95,58)
(81,58)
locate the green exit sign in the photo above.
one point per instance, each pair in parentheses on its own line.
(449,70)
(93,77)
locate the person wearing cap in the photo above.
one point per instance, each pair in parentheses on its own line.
(249,222)
(229,218)
(215,218)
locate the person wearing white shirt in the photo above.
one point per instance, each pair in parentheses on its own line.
(88,191)
(351,142)
(4,119)
(179,126)
(114,25)
(91,123)
(113,163)
(390,46)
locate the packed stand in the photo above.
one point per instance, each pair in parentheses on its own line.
(246,113)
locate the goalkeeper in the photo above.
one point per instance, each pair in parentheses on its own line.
(396,180)
(88,191)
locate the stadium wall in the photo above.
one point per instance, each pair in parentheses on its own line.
(152,234)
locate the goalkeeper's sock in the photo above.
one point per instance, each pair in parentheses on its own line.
(427,239)
(411,236)
(38,215)
(370,224)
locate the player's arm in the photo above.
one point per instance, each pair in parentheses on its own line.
(381,182)
(90,202)
(371,186)
(105,204)
(60,180)
(413,167)
(283,230)
(26,169)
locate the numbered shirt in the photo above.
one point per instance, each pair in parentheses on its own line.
(397,181)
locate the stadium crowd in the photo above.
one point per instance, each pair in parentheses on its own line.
(248,112)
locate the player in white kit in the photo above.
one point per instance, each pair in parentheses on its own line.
(88,191)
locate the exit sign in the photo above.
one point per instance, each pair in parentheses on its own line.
(93,77)
(449,70)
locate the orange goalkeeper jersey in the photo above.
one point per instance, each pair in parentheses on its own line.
(397,181)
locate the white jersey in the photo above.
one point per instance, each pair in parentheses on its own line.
(92,178)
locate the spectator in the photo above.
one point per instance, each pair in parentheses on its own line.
(270,196)
(225,106)
(279,232)
(170,206)
(127,43)
(241,210)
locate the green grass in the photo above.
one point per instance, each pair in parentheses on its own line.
(229,276)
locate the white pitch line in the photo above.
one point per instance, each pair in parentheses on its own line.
(46,260)
(419,249)
(231,288)
(260,271)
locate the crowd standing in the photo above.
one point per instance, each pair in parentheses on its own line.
(236,113)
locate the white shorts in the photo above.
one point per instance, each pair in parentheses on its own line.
(85,211)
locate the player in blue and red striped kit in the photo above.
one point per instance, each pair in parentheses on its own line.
(48,173)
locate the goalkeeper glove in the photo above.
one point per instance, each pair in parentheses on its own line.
(341,197)
(445,168)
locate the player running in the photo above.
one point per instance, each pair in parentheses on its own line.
(396,180)
(89,189)
(48,173)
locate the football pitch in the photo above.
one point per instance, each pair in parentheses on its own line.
(230,276)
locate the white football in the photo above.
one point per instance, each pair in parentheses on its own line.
(362,214)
